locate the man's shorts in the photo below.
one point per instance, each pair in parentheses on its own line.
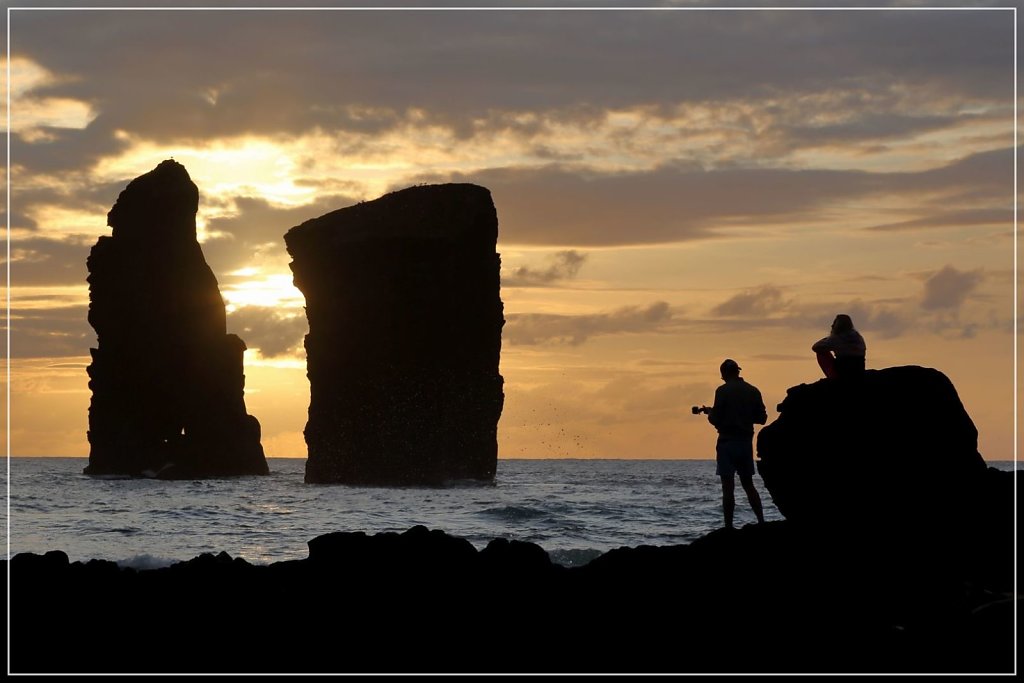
(735,456)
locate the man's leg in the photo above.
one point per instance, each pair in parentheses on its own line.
(747,481)
(827,363)
(728,498)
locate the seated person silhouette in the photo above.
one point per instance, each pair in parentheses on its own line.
(841,353)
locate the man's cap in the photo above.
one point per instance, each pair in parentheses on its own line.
(730,364)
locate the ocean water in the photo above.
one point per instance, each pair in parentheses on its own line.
(574,509)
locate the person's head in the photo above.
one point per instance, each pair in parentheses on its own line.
(842,323)
(729,369)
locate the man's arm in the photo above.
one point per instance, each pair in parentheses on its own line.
(760,415)
(711,413)
(822,345)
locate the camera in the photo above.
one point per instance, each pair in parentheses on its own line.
(697,410)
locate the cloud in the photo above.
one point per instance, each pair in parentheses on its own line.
(715,92)
(879,319)
(36,119)
(65,149)
(980,177)
(56,331)
(559,205)
(765,308)
(887,322)
(43,262)
(33,208)
(462,64)
(273,332)
(565,266)
(938,310)
(544,328)
(759,302)
(965,218)
(52,260)
(52,332)
(565,206)
(860,126)
(256,222)
(721,97)
(948,288)
(872,318)
(200,76)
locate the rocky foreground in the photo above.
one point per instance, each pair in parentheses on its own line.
(777,597)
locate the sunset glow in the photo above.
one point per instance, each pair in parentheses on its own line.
(672,188)
(272,291)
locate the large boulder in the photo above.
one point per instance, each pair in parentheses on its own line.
(890,457)
(405,317)
(167,380)
(892,445)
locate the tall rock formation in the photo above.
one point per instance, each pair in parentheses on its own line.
(167,380)
(405,317)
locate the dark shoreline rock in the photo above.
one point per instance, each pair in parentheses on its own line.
(776,597)
(891,456)
(900,433)
(405,318)
(167,380)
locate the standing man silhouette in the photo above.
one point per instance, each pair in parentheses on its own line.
(738,406)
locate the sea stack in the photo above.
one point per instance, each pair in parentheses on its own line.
(405,316)
(167,380)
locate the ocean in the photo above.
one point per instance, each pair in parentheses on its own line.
(574,509)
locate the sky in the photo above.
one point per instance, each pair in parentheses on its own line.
(673,187)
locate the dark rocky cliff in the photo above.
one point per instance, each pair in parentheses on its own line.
(167,380)
(405,317)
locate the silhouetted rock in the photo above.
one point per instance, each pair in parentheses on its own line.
(776,597)
(891,456)
(405,317)
(167,380)
(898,439)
